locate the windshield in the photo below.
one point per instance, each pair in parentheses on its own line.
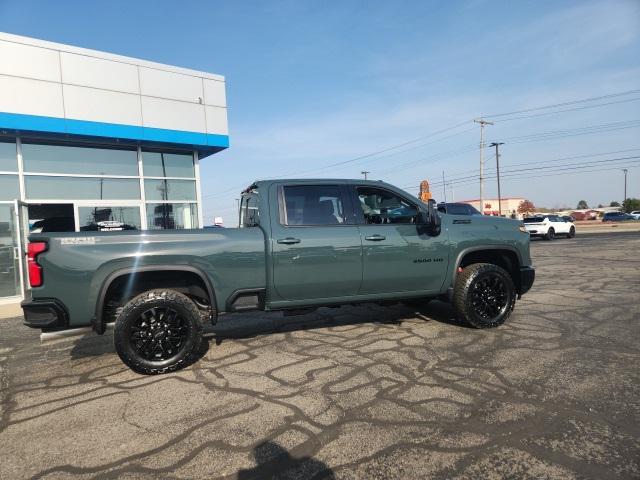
(534,220)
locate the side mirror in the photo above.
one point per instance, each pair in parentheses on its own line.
(430,219)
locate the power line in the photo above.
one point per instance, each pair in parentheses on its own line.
(563,104)
(567,110)
(471,178)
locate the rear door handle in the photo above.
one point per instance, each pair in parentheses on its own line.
(289,240)
(375,238)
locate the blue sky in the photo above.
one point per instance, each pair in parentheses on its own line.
(311,84)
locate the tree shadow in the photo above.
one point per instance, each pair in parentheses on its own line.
(273,462)
(92,345)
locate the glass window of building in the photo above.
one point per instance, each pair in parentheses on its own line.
(105,219)
(170,190)
(160,164)
(8,156)
(45,158)
(9,187)
(171,216)
(87,188)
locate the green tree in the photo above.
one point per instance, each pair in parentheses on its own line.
(600,205)
(631,205)
(614,204)
(582,204)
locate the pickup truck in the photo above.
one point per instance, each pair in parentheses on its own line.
(301,244)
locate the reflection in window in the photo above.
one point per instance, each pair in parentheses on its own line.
(169,216)
(170,190)
(313,205)
(106,219)
(382,206)
(63,188)
(9,187)
(249,213)
(41,158)
(157,164)
(8,157)
(51,217)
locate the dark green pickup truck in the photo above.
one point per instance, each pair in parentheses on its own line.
(301,244)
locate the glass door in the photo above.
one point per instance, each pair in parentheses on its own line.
(10,252)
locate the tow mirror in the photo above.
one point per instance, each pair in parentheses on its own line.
(430,219)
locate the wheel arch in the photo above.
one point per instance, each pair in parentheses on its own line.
(504,256)
(98,321)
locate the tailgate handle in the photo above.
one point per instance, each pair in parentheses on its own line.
(289,240)
(375,238)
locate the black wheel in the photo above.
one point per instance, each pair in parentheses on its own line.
(572,232)
(157,331)
(551,234)
(484,295)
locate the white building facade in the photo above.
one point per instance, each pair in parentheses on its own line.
(95,141)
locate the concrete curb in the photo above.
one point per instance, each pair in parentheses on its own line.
(10,310)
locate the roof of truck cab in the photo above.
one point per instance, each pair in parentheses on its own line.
(308,181)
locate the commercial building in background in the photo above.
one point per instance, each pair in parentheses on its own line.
(509,206)
(95,141)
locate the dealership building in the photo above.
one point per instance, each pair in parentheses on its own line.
(91,141)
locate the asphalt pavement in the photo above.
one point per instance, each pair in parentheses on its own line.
(356,392)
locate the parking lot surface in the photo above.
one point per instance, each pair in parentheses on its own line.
(355,392)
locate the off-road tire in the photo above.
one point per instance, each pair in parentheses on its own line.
(572,232)
(463,294)
(189,314)
(550,235)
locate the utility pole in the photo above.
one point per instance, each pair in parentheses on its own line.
(482,123)
(365,172)
(625,186)
(497,144)
(444,187)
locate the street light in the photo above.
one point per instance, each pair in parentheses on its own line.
(365,172)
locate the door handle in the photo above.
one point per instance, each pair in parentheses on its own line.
(289,240)
(375,238)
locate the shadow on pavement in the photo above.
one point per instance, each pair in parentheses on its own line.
(244,326)
(260,323)
(274,461)
(92,345)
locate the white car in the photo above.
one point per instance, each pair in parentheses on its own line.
(635,214)
(549,227)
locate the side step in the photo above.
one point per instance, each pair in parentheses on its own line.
(48,337)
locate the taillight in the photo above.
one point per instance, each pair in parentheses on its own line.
(35,270)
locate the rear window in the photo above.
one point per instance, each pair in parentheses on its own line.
(534,220)
(455,209)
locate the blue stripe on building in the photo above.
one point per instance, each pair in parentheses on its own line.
(204,143)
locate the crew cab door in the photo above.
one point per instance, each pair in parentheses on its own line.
(316,247)
(398,256)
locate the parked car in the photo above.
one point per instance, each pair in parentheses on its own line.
(617,217)
(635,214)
(549,226)
(301,244)
(457,209)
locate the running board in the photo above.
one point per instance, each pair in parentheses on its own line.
(47,337)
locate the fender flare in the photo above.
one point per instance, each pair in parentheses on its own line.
(477,248)
(98,322)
